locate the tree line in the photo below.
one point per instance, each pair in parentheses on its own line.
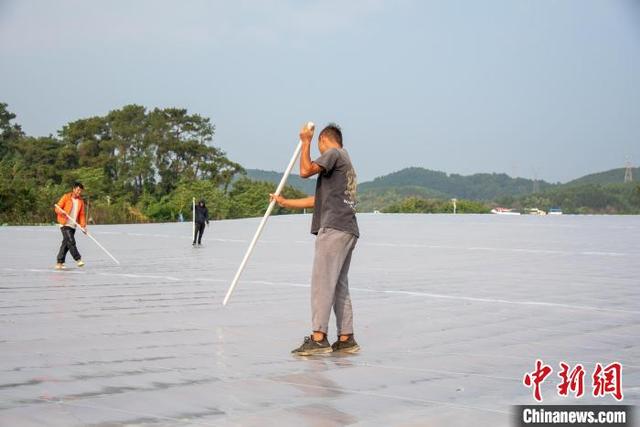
(138,165)
(610,199)
(414,190)
(613,199)
(141,165)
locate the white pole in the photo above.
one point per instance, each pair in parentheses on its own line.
(252,245)
(87,233)
(193,220)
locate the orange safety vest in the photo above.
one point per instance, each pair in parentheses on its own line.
(66,204)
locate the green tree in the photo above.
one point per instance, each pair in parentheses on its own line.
(251,198)
(131,160)
(183,150)
(420,205)
(9,132)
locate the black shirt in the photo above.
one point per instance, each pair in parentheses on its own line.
(202,214)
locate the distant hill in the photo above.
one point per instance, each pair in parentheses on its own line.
(595,193)
(305,185)
(480,186)
(613,176)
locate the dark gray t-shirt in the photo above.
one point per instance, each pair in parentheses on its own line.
(335,201)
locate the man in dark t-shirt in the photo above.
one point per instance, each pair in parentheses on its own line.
(335,225)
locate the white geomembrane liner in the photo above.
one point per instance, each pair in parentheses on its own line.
(450,312)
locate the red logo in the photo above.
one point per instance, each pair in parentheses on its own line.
(608,380)
(571,381)
(605,380)
(535,378)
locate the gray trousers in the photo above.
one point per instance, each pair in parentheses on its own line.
(329,281)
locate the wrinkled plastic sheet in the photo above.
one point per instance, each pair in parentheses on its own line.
(450,312)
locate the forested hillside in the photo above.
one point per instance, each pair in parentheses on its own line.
(422,190)
(613,176)
(480,186)
(137,165)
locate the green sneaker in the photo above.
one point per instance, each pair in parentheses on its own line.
(80,263)
(310,347)
(348,346)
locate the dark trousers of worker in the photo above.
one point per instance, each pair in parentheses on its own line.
(330,281)
(198,232)
(68,244)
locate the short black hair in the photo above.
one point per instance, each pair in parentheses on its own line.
(333,132)
(77,184)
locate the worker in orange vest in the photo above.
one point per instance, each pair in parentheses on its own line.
(71,205)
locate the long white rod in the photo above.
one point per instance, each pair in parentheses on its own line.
(84,230)
(193,220)
(283,181)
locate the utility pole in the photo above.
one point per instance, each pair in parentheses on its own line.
(536,183)
(628,172)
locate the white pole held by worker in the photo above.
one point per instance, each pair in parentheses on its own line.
(87,233)
(193,218)
(252,245)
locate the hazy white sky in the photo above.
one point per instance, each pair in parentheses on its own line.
(530,88)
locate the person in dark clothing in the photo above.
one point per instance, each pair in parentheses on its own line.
(202,218)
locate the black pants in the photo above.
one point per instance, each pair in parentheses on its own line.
(68,244)
(199,232)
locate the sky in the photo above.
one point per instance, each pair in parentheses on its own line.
(538,89)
